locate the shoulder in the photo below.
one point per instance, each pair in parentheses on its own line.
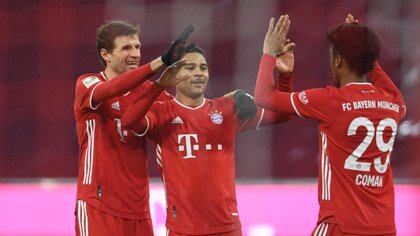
(221,101)
(87,80)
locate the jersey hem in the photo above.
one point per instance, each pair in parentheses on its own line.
(207,230)
(101,207)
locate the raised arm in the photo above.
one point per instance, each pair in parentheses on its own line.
(266,91)
(129,80)
(381,80)
(266,94)
(134,117)
(124,82)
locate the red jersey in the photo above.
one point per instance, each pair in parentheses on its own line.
(196,151)
(357,125)
(113,174)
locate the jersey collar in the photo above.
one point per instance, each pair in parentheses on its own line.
(104,75)
(359,83)
(191,108)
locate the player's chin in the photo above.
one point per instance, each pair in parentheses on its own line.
(196,93)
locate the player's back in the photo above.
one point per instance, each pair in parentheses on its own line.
(356,140)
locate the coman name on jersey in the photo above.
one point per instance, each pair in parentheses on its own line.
(369,180)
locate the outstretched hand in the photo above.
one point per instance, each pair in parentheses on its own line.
(286,61)
(275,38)
(177,49)
(169,77)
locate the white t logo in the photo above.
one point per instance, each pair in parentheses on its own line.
(189,147)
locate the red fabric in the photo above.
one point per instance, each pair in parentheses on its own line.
(112,175)
(331,229)
(132,118)
(266,94)
(196,146)
(232,233)
(121,84)
(93,222)
(356,123)
(351,186)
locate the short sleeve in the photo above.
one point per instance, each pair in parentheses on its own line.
(313,103)
(85,87)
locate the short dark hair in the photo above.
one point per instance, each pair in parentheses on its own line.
(357,44)
(194,48)
(107,33)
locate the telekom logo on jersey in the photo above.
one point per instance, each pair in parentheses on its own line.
(189,143)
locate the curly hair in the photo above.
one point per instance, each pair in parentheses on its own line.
(357,44)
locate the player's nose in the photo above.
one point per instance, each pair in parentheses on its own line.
(135,53)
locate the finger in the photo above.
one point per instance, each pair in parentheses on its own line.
(271,26)
(178,64)
(279,23)
(287,24)
(180,79)
(287,41)
(284,27)
(186,32)
(289,47)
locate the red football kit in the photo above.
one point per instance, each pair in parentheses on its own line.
(113,175)
(357,127)
(195,148)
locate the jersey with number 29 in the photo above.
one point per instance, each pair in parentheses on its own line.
(357,128)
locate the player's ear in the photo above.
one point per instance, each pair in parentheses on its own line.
(338,61)
(105,55)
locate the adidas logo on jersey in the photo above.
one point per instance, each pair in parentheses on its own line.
(116,106)
(177,120)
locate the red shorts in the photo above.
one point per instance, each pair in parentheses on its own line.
(237,232)
(329,229)
(93,222)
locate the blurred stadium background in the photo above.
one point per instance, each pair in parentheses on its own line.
(46,44)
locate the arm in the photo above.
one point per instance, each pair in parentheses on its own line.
(134,117)
(124,82)
(266,94)
(137,111)
(128,81)
(381,80)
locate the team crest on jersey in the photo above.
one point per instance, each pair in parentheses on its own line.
(216,117)
(91,80)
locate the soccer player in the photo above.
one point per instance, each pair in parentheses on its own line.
(195,147)
(112,185)
(358,121)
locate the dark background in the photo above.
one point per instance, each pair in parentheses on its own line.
(45,45)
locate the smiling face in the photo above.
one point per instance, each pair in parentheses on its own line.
(125,56)
(196,67)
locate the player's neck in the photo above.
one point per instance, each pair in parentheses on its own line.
(352,78)
(188,101)
(110,74)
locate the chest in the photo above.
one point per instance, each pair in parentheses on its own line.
(191,132)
